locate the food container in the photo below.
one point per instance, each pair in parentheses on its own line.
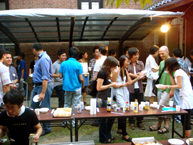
(145,141)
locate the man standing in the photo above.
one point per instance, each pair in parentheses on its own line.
(98,65)
(71,70)
(22,67)
(12,71)
(136,90)
(42,79)
(4,77)
(163,96)
(93,61)
(58,82)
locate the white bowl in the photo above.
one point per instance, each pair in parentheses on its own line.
(44,110)
(175,141)
(35,98)
(153,106)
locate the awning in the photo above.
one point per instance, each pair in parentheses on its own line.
(68,25)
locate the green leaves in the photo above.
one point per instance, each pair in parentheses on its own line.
(119,2)
(144,2)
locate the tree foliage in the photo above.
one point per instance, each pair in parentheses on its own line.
(118,2)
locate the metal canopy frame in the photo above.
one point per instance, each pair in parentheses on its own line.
(59,25)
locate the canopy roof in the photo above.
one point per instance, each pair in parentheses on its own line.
(59,25)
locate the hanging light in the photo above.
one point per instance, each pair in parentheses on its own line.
(164,28)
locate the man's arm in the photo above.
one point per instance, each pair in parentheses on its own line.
(44,87)
(6,88)
(38,128)
(81,80)
(3,131)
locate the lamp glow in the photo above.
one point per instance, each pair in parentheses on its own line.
(164,28)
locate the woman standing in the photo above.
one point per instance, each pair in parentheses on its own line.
(152,72)
(122,77)
(181,81)
(82,59)
(104,91)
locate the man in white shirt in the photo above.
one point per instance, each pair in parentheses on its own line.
(98,65)
(4,78)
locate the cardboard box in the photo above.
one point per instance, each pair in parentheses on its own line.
(144,140)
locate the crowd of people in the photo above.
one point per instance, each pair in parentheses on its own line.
(120,79)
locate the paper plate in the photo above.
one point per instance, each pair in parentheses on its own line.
(43,110)
(175,141)
(159,85)
(35,99)
(169,109)
(187,141)
(87,107)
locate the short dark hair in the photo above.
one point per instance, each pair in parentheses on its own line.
(112,52)
(172,64)
(125,49)
(37,46)
(177,52)
(102,49)
(61,51)
(13,97)
(153,49)
(95,47)
(22,55)
(73,52)
(2,52)
(191,52)
(132,51)
(8,52)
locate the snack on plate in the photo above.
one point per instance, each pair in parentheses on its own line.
(146,143)
(62,112)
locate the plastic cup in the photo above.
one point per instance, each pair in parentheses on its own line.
(132,107)
(89,68)
(140,107)
(171,103)
(123,109)
(177,107)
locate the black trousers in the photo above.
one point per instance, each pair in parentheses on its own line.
(122,125)
(188,126)
(139,96)
(60,93)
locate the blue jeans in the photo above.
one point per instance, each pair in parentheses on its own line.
(45,103)
(105,126)
(72,98)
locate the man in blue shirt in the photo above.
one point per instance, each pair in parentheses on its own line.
(42,79)
(22,67)
(71,70)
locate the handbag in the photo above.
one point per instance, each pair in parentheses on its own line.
(91,88)
(154,90)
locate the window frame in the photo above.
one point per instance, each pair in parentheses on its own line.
(90,1)
(6,4)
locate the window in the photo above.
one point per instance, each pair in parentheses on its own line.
(4,4)
(90,4)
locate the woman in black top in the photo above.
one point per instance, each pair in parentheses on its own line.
(104,91)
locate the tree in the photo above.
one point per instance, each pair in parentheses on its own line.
(118,2)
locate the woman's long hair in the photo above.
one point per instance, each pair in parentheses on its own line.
(172,65)
(121,62)
(109,63)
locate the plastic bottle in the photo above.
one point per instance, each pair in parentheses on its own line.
(127,106)
(135,106)
(109,105)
